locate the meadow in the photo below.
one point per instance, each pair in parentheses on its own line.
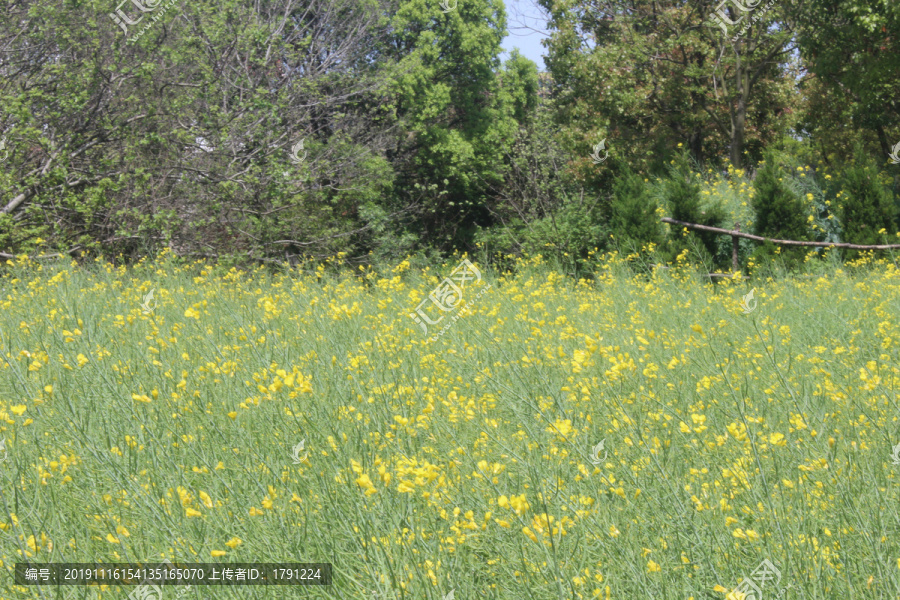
(139,427)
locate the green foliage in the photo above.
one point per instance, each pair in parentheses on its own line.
(778,212)
(569,237)
(537,208)
(417,140)
(852,50)
(460,114)
(633,214)
(681,191)
(867,205)
(823,196)
(640,73)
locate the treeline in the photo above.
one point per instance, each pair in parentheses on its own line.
(278,130)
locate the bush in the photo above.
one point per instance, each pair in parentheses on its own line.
(868,206)
(779,213)
(681,192)
(632,211)
(568,237)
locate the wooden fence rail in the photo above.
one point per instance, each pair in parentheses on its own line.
(737,233)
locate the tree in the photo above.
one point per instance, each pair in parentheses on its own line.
(852,50)
(182,133)
(461,116)
(537,207)
(647,75)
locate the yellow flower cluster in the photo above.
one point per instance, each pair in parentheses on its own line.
(563,433)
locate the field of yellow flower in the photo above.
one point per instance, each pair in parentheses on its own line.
(628,437)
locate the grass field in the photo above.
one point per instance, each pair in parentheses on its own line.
(467,466)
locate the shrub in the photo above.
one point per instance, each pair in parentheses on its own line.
(868,206)
(779,213)
(681,192)
(632,211)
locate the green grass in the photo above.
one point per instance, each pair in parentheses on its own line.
(730,438)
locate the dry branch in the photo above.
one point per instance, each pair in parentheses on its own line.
(737,233)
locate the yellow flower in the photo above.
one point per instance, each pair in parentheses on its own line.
(530,534)
(652,567)
(18,409)
(234,542)
(563,429)
(190,512)
(112,539)
(218,553)
(519,503)
(366,484)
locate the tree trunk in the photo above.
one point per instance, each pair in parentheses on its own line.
(696,145)
(739,117)
(882,139)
